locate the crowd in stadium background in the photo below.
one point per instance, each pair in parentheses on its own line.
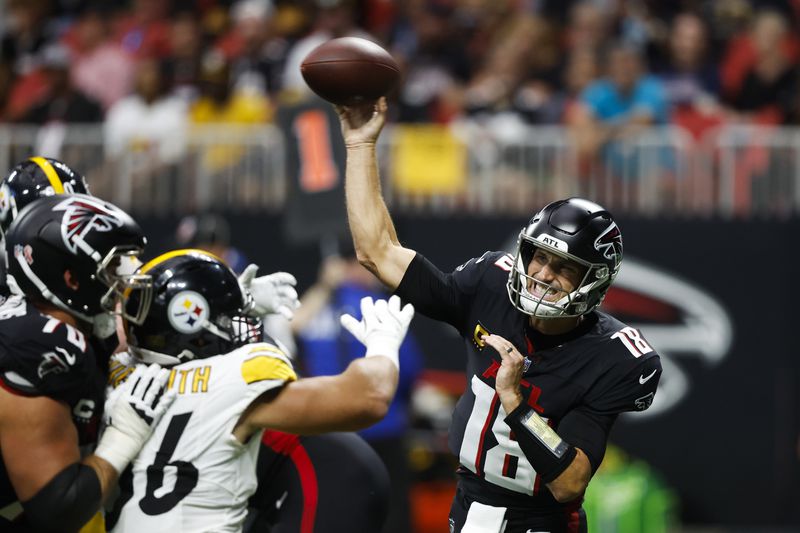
(697,63)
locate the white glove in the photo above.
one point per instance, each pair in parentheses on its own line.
(137,406)
(274,293)
(382,328)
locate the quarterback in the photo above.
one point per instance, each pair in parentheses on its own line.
(547,373)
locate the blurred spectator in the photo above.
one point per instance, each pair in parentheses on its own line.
(258,58)
(689,79)
(27,22)
(620,105)
(589,26)
(435,59)
(63,103)
(100,68)
(212,233)
(740,54)
(326,349)
(509,64)
(185,60)
(334,18)
(150,121)
(20,52)
(580,71)
(768,86)
(145,31)
(220,103)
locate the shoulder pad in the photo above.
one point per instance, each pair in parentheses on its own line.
(263,361)
(502,260)
(469,275)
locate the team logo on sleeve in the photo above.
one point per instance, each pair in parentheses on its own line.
(187,311)
(645,401)
(84,215)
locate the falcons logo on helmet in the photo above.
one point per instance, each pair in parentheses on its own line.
(609,243)
(84,215)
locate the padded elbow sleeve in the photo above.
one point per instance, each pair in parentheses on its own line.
(66,502)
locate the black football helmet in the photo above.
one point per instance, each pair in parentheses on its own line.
(578,230)
(34,178)
(198,310)
(97,242)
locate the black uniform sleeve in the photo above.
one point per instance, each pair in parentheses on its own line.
(445,297)
(48,365)
(628,388)
(587,430)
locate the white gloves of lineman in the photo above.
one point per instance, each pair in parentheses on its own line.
(134,408)
(274,293)
(382,328)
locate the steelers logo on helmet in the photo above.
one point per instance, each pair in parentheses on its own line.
(188,311)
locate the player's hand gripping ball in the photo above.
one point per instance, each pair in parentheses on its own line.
(350,70)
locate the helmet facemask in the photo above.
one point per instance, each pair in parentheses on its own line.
(230,331)
(118,271)
(586,295)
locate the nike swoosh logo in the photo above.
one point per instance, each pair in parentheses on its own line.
(279,502)
(643,380)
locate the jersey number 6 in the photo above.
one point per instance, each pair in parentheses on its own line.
(186,475)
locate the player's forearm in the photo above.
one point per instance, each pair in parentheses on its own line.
(574,480)
(562,467)
(106,473)
(350,401)
(370,224)
(376,380)
(359,397)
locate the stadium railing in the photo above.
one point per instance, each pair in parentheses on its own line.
(739,171)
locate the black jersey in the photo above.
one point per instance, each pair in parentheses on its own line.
(578,382)
(42,356)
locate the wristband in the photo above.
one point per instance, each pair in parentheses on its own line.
(546,451)
(117,448)
(385,347)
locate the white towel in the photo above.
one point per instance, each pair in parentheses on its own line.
(484,519)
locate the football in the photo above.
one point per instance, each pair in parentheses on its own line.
(350,70)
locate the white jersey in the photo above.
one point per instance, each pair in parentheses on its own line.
(192,475)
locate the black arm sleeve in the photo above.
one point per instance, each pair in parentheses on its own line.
(433,293)
(67,502)
(588,431)
(548,452)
